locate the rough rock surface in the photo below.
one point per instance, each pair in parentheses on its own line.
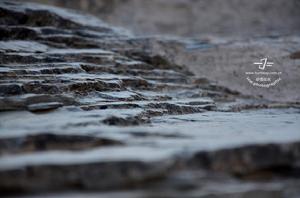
(90,108)
(228,36)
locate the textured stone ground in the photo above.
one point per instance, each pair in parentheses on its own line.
(91,110)
(228,36)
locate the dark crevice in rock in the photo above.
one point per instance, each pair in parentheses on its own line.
(129,121)
(295,55)
(47,141)
(247,160)
(176,109)
(94,176)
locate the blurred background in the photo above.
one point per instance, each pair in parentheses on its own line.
(193,18)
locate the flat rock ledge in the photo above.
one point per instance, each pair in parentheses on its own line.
(88,110)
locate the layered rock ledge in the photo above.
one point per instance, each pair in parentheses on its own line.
(92,110)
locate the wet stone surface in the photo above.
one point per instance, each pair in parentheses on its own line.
(89,110)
